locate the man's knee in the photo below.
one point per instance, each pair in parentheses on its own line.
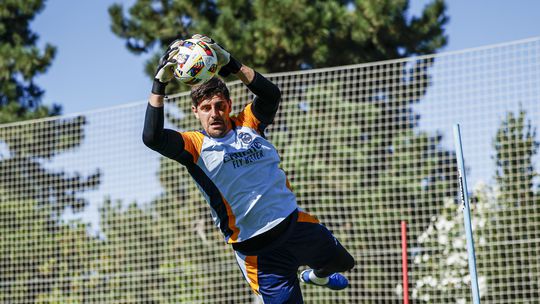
(342,261)
(348,262)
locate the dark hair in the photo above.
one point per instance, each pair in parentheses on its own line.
(209,89)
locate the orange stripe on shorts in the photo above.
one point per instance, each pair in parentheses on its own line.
(251,270)
(304,217)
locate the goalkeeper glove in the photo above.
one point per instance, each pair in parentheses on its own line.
(227,64)
(165,70)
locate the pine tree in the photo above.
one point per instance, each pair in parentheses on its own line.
(21,61)
(277,36)
(513,242)
(515,146)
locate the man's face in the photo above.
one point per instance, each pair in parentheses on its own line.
(213,113)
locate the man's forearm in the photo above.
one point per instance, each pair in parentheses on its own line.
(156,100)
(246,74)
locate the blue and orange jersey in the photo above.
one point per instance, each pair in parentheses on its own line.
(240,178)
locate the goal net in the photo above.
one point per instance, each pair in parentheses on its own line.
(88,214)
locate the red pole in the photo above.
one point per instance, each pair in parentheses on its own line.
(404,262)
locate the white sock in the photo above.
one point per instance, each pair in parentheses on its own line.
(315,279)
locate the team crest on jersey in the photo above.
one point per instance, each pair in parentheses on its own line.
(246,138)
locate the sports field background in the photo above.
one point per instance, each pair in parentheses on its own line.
(88,214)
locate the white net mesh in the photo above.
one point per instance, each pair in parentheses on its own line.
(88,214)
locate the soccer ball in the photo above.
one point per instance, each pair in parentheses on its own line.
(196,62)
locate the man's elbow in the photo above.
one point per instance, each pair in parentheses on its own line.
(277,94)
(149,140)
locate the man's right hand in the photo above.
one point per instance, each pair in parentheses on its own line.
(227,64)
(165,70)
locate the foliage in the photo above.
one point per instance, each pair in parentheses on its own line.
(353,150)
(360,156)
(505,220)
(38,259)
(21,61)
(23,174)
(515,146)
(41,255)
(284,35)
(517,217)
(340,156)
(443,274)
(153,253)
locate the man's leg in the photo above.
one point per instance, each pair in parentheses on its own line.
(329,275)
(342,261)
(315,246)
(272,276)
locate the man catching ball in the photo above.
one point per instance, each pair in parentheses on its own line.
(237,170)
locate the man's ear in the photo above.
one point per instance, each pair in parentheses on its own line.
(195,112)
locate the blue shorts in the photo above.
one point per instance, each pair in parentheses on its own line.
(272,274)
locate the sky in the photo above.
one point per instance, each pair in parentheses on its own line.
(93,69)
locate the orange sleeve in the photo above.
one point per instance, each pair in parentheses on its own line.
(246,118)
(193,143)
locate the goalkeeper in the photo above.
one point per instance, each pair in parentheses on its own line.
(237,171)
